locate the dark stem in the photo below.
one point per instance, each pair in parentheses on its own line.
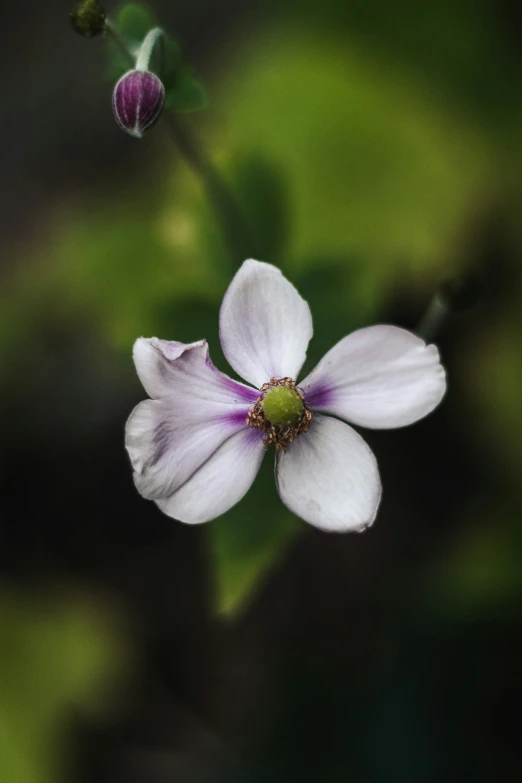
(434,319)
(453,296)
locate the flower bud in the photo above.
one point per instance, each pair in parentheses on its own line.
(137,101)
(88,18)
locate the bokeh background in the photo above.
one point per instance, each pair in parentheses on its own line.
(375,152)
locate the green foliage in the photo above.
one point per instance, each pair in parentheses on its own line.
(166,62)
(376,169)
(185,93)
(133,21)
(55,655)
(118,61)
(249,543)
(262,191)
(362,178)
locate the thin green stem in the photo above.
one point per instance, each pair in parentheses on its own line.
(228,212)
(434,319)
(147,48)
(113,33)
(226,209)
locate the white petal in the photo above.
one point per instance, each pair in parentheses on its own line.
(265,326)
(329,477)
(165,367)
(220,482)
(168,440)
(380,377)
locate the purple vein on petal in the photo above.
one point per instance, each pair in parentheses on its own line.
(161,443)
(236,417)
(243,393)
(319,395)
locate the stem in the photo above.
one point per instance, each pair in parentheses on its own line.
(226,209)
(147,47)
(228,213)
(434,318)
(113,33)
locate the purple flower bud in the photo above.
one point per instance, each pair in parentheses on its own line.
(137,101)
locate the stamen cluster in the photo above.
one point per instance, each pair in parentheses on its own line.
(281,435)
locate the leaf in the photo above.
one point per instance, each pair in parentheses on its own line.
(264,197)
(118,62)
(133,21)
(249,541)
(186,93)
(166,62)
(373,168)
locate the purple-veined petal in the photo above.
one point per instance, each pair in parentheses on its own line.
(379,377)
(170,439)
(329,477)
(167,367)
(264,324)
(220,482)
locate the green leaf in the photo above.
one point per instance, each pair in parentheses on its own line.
(263,195)
(133,21)
(166,62)
(380,169)
(118,62)
(186,93)
(249,542)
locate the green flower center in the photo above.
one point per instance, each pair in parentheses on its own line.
(283,407)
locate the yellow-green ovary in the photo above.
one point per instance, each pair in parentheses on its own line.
(283,407)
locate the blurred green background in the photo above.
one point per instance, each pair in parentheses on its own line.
(374,151)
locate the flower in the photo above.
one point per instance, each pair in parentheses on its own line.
(197,444)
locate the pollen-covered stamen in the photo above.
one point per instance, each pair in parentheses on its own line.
(281,412)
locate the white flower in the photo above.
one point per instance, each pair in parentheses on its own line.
(197,445)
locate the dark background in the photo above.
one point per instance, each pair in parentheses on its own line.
(374,150)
